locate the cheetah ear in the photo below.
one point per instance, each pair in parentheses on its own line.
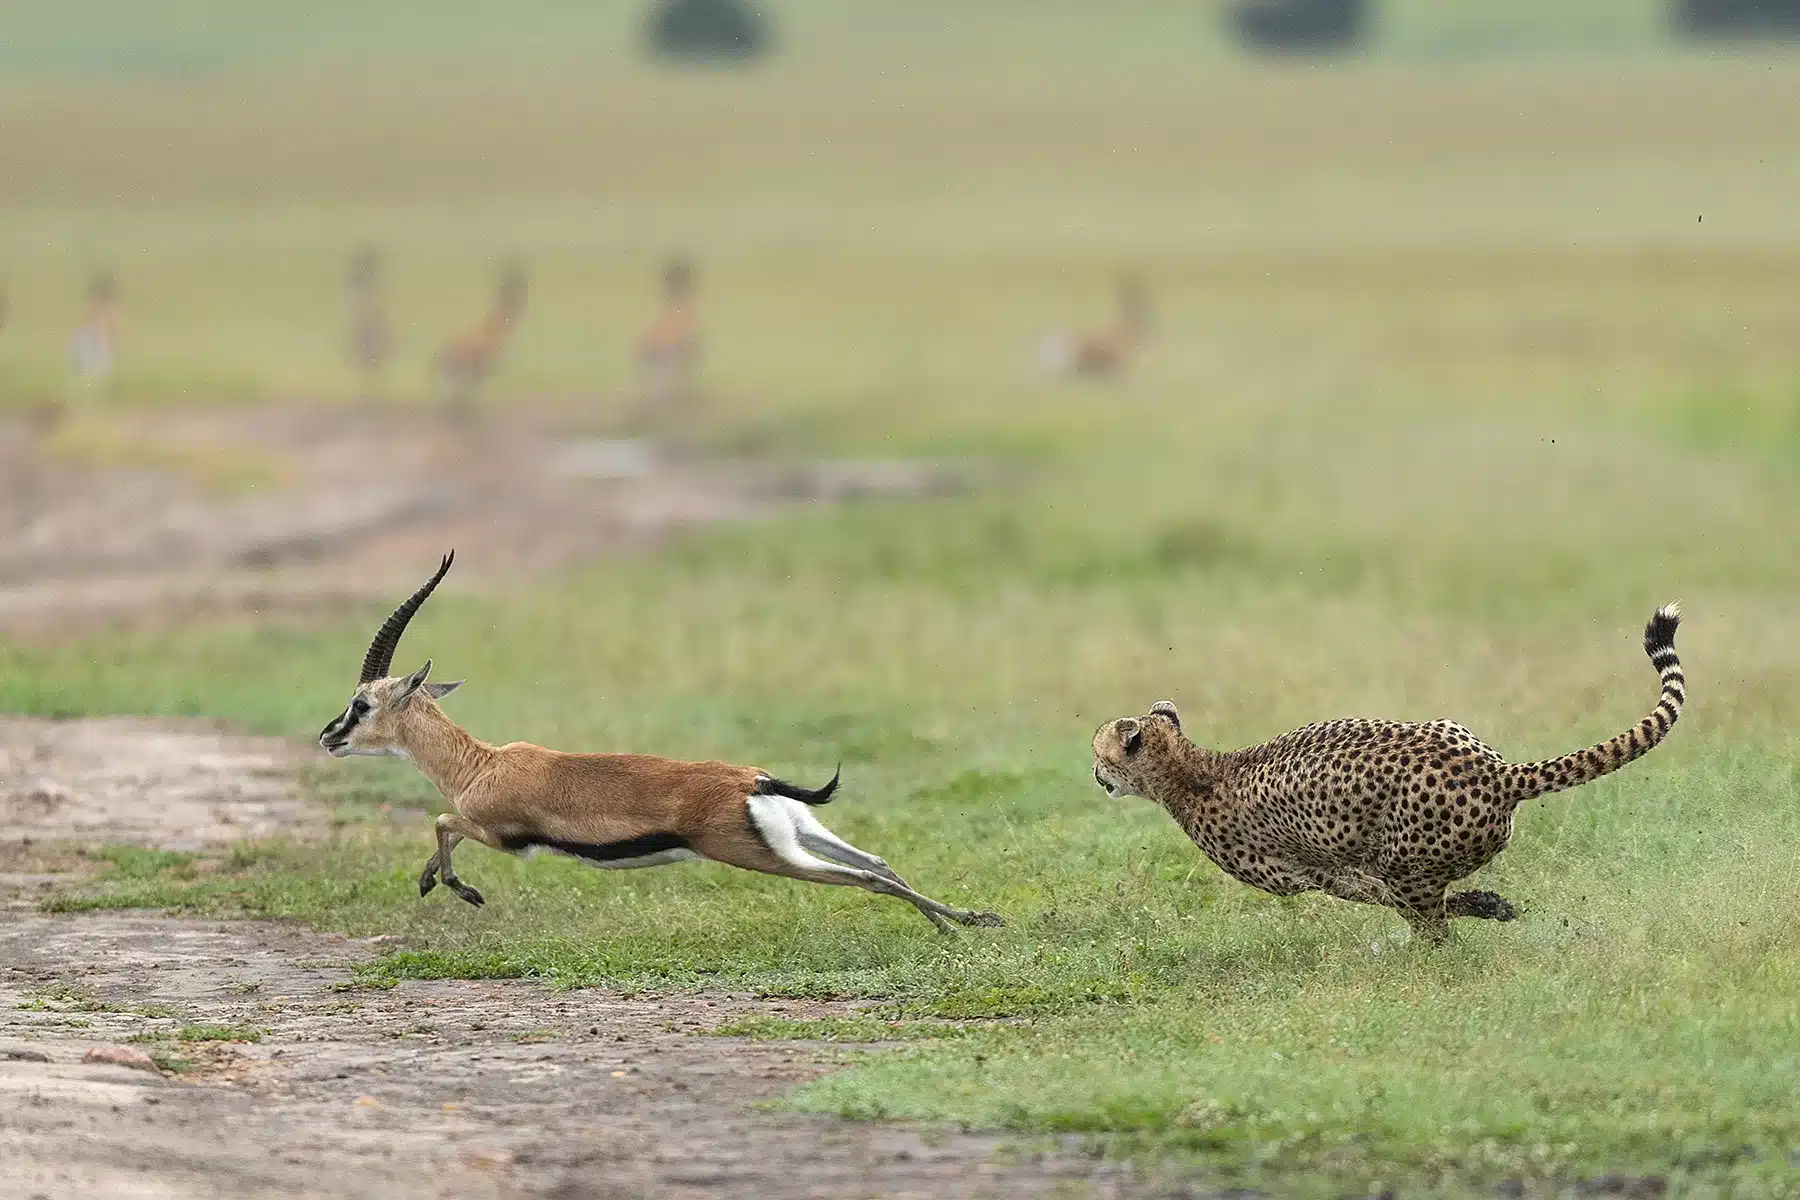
(1166,708)
(1131,733)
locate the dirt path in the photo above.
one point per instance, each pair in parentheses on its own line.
(134,517)
(452,1087)
(428,1089)
(172,785)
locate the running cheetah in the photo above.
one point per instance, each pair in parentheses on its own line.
(1378,812)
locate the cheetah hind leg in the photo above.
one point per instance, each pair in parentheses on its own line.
(1488,906)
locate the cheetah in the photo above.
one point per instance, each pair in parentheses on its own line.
(1379,812)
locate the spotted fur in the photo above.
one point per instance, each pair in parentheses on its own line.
(1380,812)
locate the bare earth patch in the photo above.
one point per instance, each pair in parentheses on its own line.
(297,1082)
(428,1089)
(146,516)
(172,785)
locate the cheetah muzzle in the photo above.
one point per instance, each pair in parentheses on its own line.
(1379,812)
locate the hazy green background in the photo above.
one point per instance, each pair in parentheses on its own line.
(1470,353)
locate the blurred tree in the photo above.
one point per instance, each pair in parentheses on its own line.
(1737,18)
(710,30)
(1298,26)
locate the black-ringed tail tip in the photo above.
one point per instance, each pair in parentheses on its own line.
(1659,634)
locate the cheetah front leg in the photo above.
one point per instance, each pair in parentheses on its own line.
(1422,904)
(1488,906)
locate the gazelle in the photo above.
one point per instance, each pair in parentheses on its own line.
(668,348)
(471,356)
(1101,353)
(369,340)
(93,347)
(611,810)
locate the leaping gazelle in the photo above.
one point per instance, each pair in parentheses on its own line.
(612,810)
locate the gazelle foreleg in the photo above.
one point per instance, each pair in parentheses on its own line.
(451,829)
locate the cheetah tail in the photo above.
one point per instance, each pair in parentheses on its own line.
(1584,766)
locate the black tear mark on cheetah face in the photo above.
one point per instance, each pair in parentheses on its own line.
(1129,753)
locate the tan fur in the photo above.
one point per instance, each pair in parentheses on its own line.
(520,796)
(1380,812)
(668,349)
(471,356)
(1103,353)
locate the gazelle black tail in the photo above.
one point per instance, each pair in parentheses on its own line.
(768,786)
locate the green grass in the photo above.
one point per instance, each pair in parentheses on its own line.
(67,997)
(868,1028)
(168,1060)
(219,1033)
(1450,390)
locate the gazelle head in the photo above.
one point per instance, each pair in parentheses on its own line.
(371,722)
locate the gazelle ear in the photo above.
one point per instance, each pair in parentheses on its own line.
(411,683)
(1166,708)
(437,691)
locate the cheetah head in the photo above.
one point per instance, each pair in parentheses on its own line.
(1126,750)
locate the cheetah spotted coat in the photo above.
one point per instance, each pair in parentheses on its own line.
(1381,812)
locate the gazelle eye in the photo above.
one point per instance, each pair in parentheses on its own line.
(359,706)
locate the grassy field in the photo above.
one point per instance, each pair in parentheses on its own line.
(1459,373)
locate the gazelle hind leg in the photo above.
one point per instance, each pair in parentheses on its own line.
(781,834)
(821,841)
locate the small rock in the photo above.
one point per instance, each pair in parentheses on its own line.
(121,1056)
(367,1102)
(25,1055)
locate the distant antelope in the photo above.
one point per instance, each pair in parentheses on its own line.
(369,340)
(93,347)
(611,810)
(471,356)
(668,349)
(1102,353)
